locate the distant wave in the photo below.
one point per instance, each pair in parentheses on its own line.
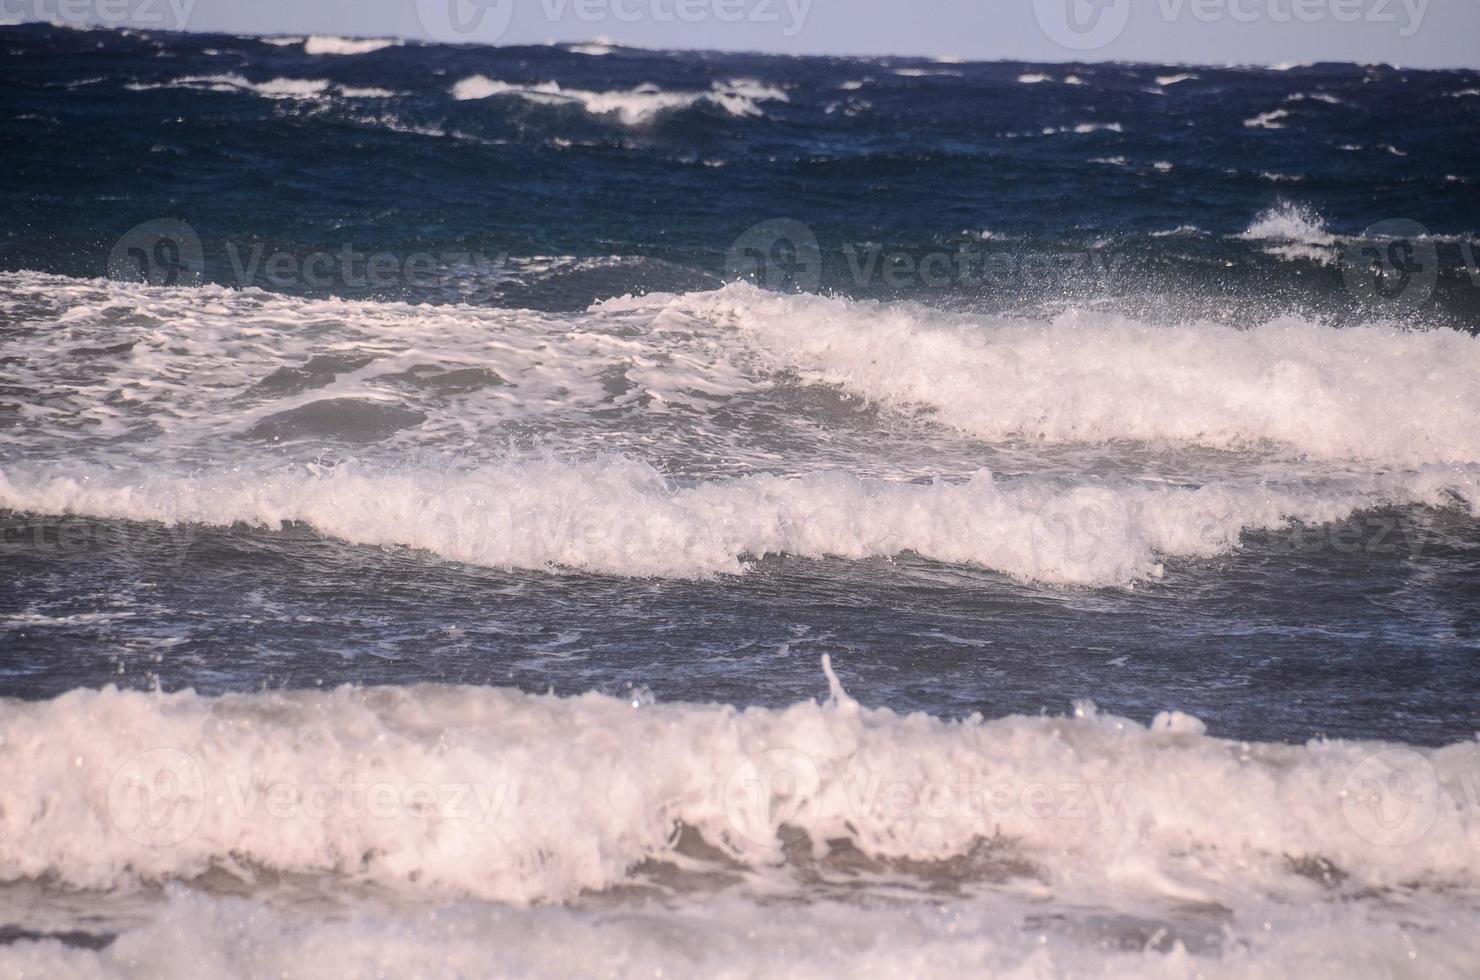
(1268,120)
(1085,128)
(322,44)
(276,88)
(632,106)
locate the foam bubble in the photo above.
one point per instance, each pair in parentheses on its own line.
(322,44)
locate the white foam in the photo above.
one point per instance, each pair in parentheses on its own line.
(927,73)
(1033,78)
(1296,232)
(1084,128)
(1177,79)
(739,97)
(365,93)
(200,937)
(322,44)
(276,88)
(1325,97)
(1321,391)
(1290,387)
(1268,120)
(622,517)
(494,794)
(1289,222)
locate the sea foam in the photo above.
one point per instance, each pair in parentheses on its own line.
(738,97)
(494,794)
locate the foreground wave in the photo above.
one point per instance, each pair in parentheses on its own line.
(458,793)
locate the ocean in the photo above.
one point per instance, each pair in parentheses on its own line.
(579,510)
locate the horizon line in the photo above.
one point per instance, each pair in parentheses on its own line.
(946,58)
